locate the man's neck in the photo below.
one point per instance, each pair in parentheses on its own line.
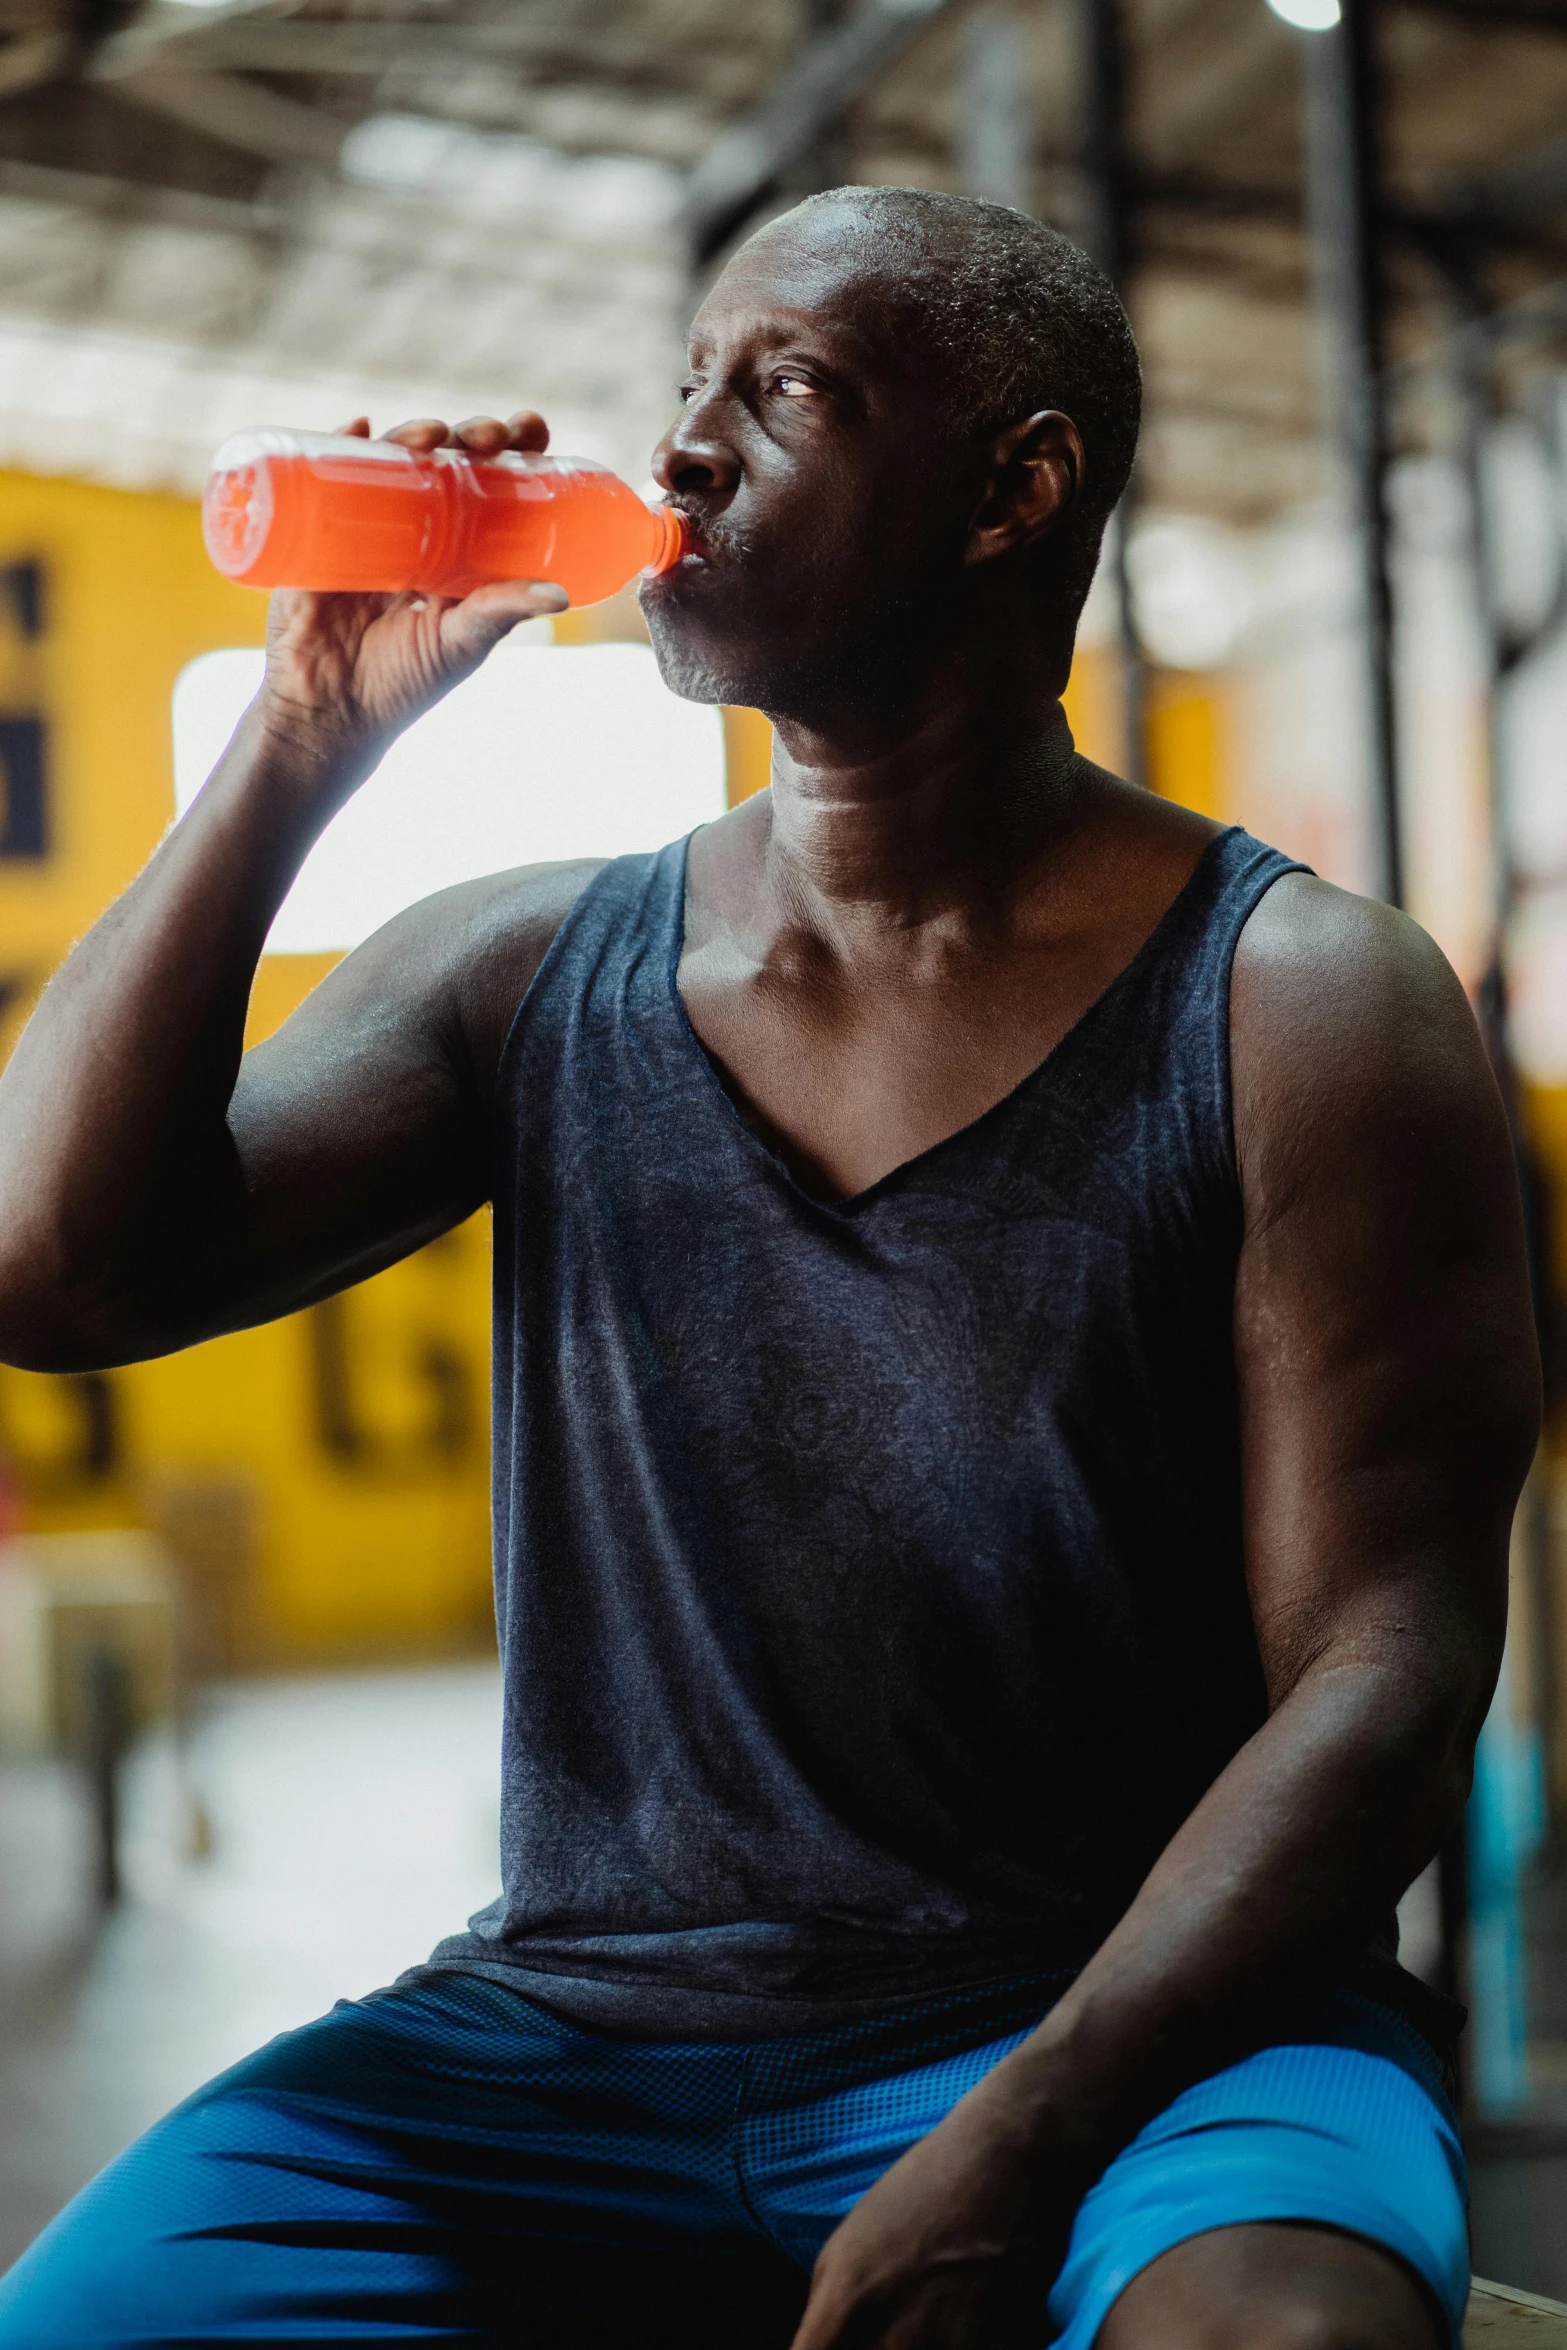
(938,813)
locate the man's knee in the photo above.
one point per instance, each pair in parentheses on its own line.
(1274,2287)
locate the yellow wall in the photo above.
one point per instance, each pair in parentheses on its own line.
(129,598)
(1184,718)
(1092,703)
(360,1429)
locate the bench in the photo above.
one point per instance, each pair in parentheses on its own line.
(1501,2318)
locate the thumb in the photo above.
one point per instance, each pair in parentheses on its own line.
(474,627)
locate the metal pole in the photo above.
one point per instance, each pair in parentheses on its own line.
(844,57)
(1473,374)
(825,162)
(1472,383)
(106,1726)
(1109,238)
(995,142)
(1343,182)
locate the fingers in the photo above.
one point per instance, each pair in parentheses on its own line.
(357,428)
(486,436)
(481,436)
(424,432)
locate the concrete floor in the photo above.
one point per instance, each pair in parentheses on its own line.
(353,1823)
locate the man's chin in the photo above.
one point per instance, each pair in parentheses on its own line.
(695,666)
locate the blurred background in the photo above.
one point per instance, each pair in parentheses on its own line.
(248,1712)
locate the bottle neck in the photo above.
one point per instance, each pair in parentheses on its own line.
(670,538)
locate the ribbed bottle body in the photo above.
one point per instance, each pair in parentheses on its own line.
(335,513)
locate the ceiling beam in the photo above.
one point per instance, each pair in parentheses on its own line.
(241,113)
(122,199)
(69,35)
(831,71)
(1534,188)
(166,28)
(243,37)
(36,58)
(1515,207)
(1529,16)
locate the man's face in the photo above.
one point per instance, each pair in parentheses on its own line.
(829,498)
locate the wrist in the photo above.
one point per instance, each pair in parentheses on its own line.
(1060,2106)
(319,749)
(274,791)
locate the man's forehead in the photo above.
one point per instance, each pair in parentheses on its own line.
(826,276)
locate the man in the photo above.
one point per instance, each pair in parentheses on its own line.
(1013,1370)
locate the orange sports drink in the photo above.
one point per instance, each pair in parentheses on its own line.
(332,512)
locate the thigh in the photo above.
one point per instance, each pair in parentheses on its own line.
(445,2168)
(1275,2286)
(1270,2202)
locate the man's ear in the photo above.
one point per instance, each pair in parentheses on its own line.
(1036,474)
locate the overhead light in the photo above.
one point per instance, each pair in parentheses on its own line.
(1191,592)
(1307,16)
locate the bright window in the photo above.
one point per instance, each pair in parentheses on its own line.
(549,751)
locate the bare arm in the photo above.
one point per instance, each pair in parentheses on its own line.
(1390,1404)
(154,1189)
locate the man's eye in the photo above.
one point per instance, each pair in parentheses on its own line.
(794,387)
(688,392)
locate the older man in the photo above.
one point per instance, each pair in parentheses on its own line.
(1013,1369)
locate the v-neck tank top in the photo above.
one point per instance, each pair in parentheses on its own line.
(868,1573)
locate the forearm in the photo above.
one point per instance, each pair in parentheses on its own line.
(1277,1878)
(114,1148)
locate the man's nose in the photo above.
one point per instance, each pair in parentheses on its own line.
(694,461)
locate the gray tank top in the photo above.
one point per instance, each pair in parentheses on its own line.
(868,1573)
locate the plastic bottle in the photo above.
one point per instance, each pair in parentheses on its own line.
(332,512)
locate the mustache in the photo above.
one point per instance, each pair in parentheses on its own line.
(713,534)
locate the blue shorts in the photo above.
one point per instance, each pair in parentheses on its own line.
(449,2161)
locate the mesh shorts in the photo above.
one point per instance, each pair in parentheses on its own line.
(449,2161)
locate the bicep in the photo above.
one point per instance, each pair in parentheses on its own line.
(355,1138)
(1385,1346)
(348,1142)
(360,1130)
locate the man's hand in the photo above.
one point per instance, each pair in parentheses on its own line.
(345,673)
(955,2247)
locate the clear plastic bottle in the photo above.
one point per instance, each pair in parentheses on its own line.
(333,512)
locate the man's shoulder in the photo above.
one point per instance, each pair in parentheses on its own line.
(495,929)
(1313,957)
(453,968)
(494,934)
(1347,1020)
(513,917)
